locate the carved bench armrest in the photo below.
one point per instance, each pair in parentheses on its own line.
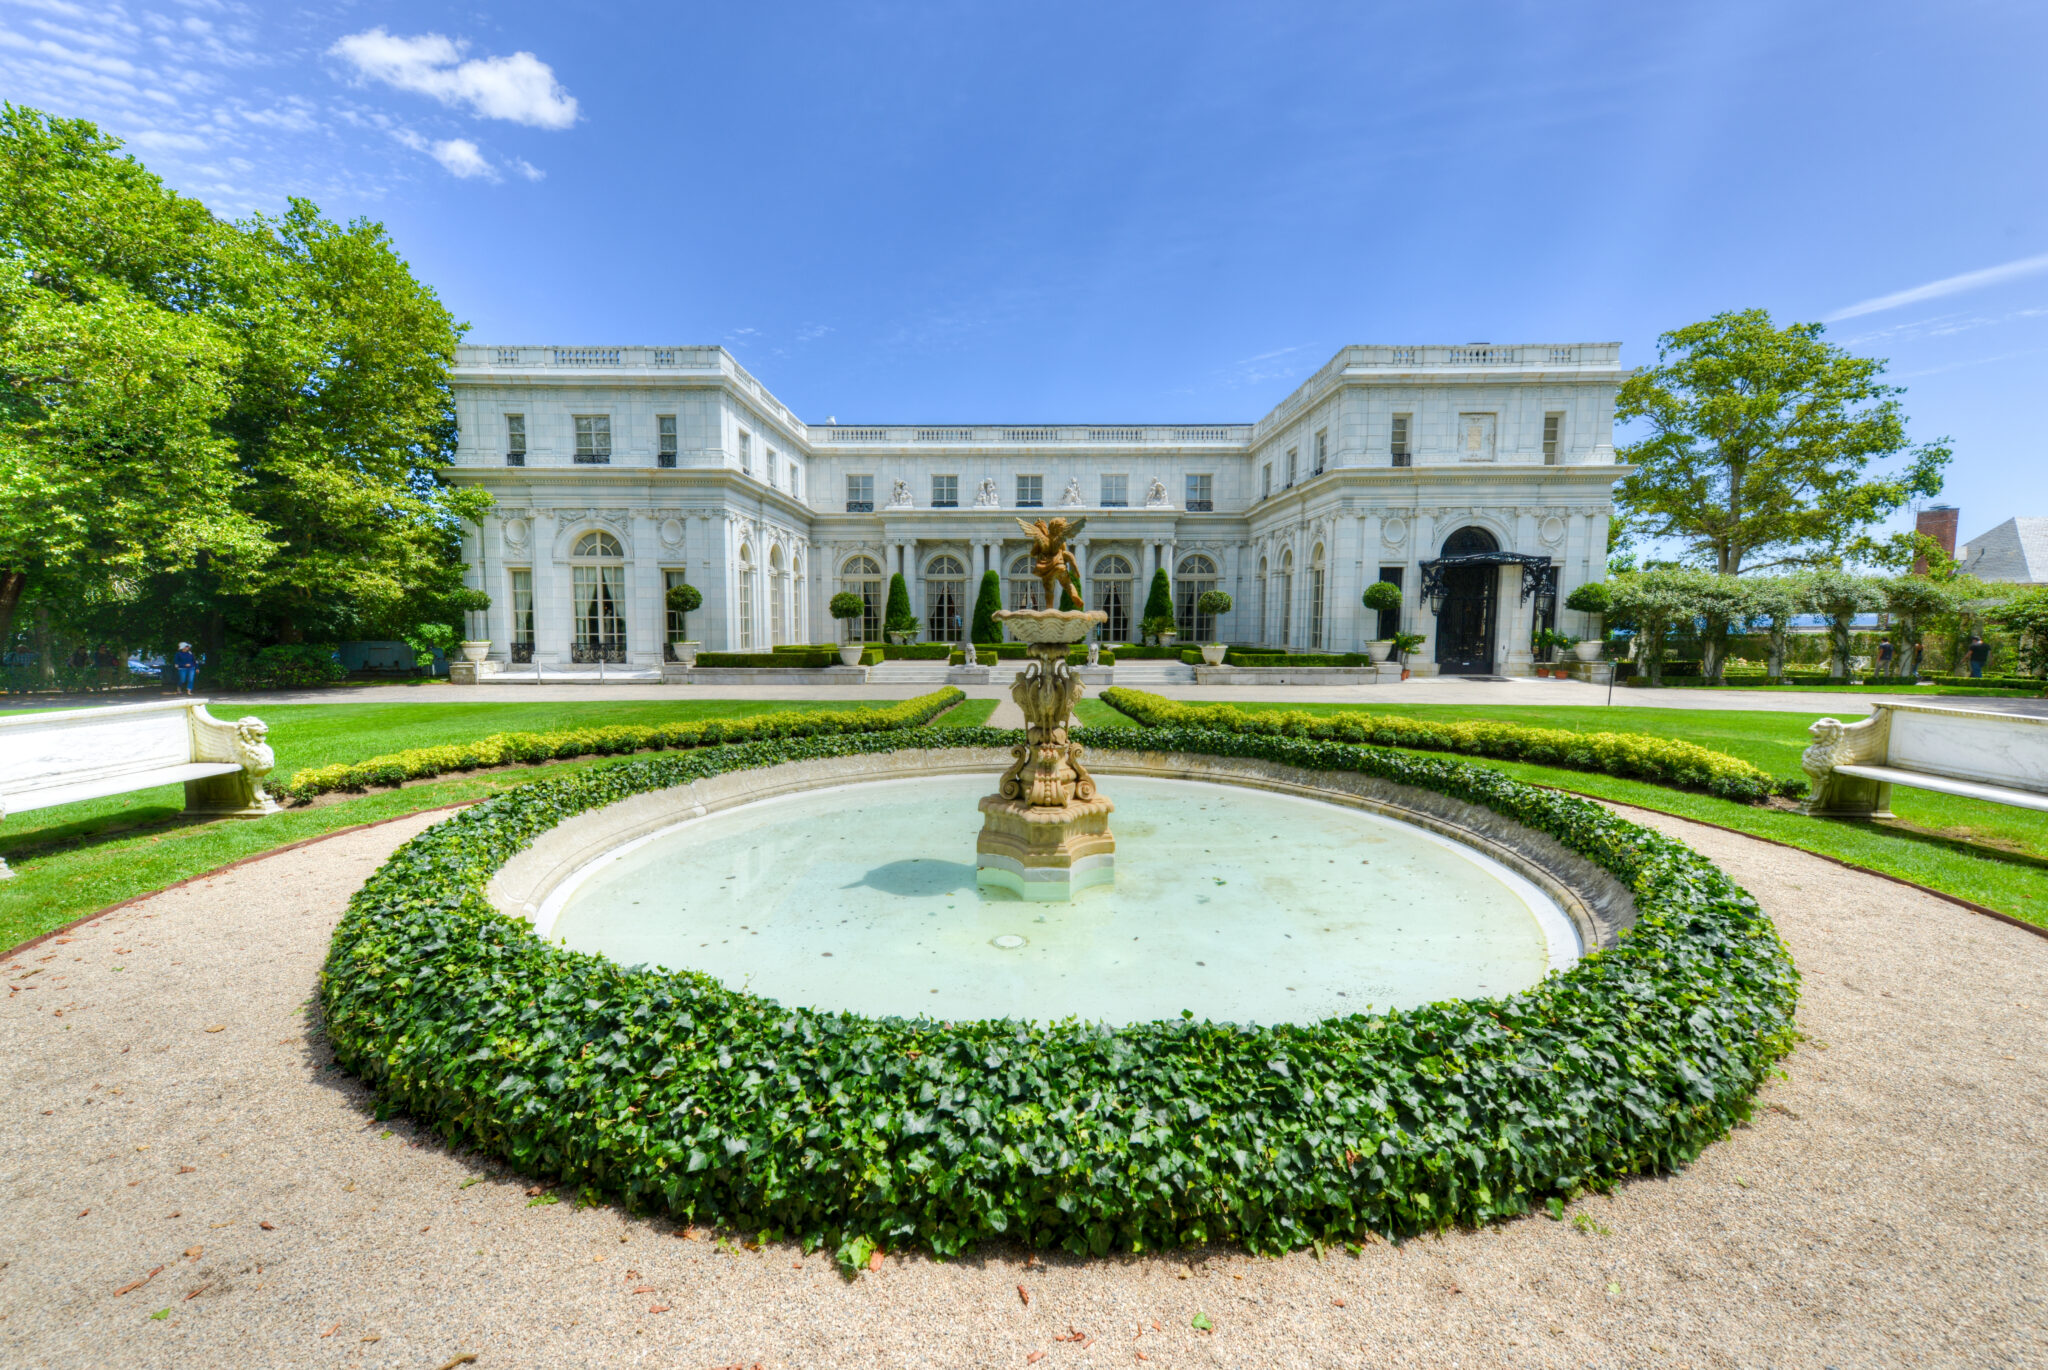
(241,742)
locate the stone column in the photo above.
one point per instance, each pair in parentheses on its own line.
(1517,620)
(646,622)
(552,630)
(1421,547)
(1368,572)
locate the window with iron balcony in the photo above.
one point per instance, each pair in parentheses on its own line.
(860,494)
(593,439)
(515,439)
(1397,442)
(1322,453)
(665,429)
(1201,494)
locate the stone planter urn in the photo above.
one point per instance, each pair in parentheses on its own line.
(1212,653)
(1381,650)
(1589,650)
(849,653)
(685,652)
(476,651)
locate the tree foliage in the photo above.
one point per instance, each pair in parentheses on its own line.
(986,604)
(1760,442)
(210,427)
(2025,616)
(896,615)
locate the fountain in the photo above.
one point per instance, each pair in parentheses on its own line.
(1045,831)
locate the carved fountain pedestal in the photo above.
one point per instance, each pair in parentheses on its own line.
(1045,832)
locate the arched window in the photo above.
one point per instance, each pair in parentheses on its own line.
(778,598)
(945,599)
(1285,591)
(598,544)
(1110,588)
(597,582)
(746,598)
(1468,540)
(1259,591)
(1193,578)
(863,576)
(1025,591)
(1318,580)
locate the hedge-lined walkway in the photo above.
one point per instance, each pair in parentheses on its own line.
(1881,1208)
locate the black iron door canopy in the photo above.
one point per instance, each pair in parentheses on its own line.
(1539,574)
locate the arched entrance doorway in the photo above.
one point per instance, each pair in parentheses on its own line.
(1465,623)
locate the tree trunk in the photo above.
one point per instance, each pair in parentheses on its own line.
(1907,660)
(1838,662)
(12,583)
(46,664)
(1776,668)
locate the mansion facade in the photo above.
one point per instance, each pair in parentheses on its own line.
(1477,478)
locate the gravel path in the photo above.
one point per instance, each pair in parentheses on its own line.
(177,1123)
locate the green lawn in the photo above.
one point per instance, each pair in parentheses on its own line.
(968,713)
(1990,854)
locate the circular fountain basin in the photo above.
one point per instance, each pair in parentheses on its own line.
(1233,903)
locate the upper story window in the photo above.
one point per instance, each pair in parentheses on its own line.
(771,466)
(1201,494)
(1397,442)
(1322,452)
(515,439)
(593,438)
(746,454)
(1266,480)
(796,480)
(1030,492)
(945,492)
(665,440)
(1553,429)
(1116,492)
(1293,461)
(860,494)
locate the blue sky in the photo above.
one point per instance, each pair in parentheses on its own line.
(1137,212)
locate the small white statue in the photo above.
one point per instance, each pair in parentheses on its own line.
(1155,495)
(970,655)
(899,495)
(985,497)
(1094,653)
(1071,497)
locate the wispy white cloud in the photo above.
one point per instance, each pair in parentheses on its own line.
(520,88)
(526,169)
(1947,285)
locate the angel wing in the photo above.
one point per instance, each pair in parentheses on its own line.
(1072,528)
(1035,531)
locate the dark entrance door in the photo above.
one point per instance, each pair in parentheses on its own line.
(1464,626)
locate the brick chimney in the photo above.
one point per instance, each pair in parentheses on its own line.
(1937,521)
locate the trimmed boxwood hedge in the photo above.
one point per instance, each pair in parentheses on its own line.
(500,749)
(1636,755)
(674,1092)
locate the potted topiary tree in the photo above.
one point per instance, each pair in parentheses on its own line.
(682,601)
(1213,605)
(468,602)
(846,606)
(1382,597)
(1591,598)
(1157,621)
(898,621)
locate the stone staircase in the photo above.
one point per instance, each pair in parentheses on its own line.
(1140,675)
(907,673)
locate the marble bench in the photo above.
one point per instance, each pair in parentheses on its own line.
(1972,753)
(66,755)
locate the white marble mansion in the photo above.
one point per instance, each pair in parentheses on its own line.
(1476,477)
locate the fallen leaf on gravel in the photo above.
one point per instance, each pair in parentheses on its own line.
(1143,1356)
(268,1227)
(1338,1302)
(188,1170)
(373,1338)
(83,1211)
(1155,1325)
(533,1191)
(646,1289)
(1200,1322)
(218,1027)
(474,1179)
(466,1358)
(161,1314)
(659,1308)
(137,1284)
(330,1332)
(169,1216)
(1034,1358)
(875,1260)
(200,1290)
(689,1234)
(192,1252)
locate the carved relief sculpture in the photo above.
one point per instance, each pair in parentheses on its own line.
(985,496)
(1155,495)
(1070,498)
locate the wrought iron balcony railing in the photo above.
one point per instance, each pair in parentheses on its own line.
(613,653)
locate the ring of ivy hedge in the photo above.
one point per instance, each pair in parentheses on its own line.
(673,1092)
(1640,756)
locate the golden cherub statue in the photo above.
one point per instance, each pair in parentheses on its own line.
(1051,561)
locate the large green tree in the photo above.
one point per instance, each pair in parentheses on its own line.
(209,427)
(1760,444)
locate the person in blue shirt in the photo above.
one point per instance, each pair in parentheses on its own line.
(188,667)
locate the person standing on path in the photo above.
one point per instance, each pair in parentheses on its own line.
(1980,652)
(1884,657)
(187,666)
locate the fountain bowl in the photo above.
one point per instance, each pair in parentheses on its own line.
(1051,625)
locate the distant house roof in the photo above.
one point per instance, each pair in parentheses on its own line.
(2015,551)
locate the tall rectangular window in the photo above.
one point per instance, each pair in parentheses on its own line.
(1397,442)
(1293,459)
(746,454)
(771,466)
(1266,480)
(515,439)
(945,492)
(1030,492)
(665,440)
(796,480)
(522,609)
(1201,494)
(1116,492)
(593,438)
(1553,426)
(860,494)
(1322,452)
